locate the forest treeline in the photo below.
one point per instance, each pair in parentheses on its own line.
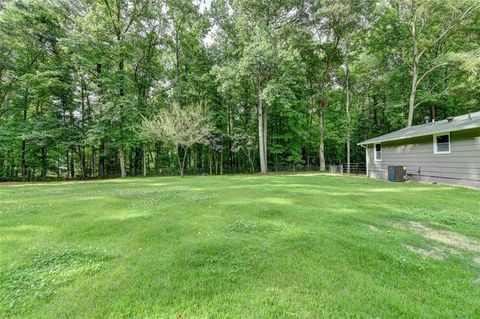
(285,83)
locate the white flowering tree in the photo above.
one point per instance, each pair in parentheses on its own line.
(179,126)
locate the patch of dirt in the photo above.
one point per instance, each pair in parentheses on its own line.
(477,260)
(442,236)
(372,227)
(435,253)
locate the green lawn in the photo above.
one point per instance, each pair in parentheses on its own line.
(280,246)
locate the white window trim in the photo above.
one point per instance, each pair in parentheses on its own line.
(435,146)
(375,152)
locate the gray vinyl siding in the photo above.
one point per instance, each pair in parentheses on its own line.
(461,167)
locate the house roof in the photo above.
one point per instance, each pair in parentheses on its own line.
(459,123)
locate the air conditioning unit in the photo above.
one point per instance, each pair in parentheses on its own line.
(397,173)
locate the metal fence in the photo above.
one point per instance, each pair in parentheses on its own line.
(169,171)
(355,168)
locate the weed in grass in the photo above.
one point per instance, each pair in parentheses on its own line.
(146,204)
(192,197)
(242,227)
(135,193)
(227,262)
(250,228)
(43,275)
(434,252)
(19,209)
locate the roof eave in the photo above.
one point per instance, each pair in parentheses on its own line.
(374,141)
(472,121)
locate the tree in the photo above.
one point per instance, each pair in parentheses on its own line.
(324,22)
(180,127)
(429,23)
(289,83)
(244,142)
(350,23)
(260,27)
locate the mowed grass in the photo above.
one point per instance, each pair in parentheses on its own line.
(279,246)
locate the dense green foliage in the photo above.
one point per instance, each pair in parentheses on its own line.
(306,246)
(289,83)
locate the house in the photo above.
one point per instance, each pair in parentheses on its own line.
(446,151)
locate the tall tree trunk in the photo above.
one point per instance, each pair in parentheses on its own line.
(198,159)
(101,148)
(261,135)
(93,163)
(265,136)
(81,149)
(252,166)
(433,112)
(413,91)
(221,163)
(44,162)
(321,123)
(72,165)
(415,64)
(132,161)
(121,147)
(23,166)
(24,143)
(67,163)
(58,166)
(121,157)
(2,162)
(144,160)
(178,88)
(101,159)
(229,132)
(13,171)
(157,157)
(210,161)
(347,87)
(81,157)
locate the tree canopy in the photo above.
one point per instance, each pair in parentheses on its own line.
(287,84)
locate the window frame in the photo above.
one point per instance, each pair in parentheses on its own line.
(375,158)
(435,144)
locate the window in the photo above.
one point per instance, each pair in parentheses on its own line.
(378,152)
(441,143)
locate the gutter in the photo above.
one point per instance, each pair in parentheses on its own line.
(444,128)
